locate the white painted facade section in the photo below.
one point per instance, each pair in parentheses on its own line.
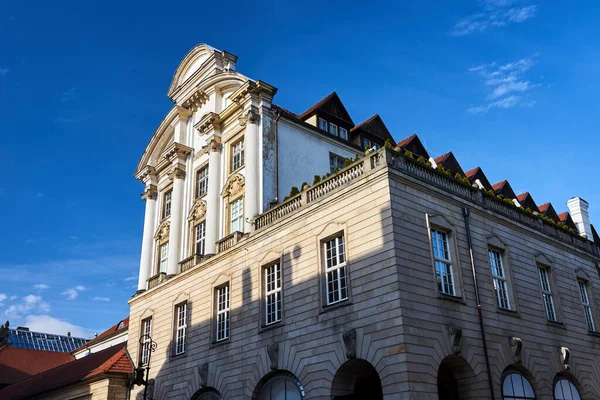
(96,347)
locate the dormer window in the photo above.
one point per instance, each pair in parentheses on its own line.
(322,124)
(366,143)
(343,133)
(333,129)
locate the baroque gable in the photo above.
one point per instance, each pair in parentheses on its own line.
(198,211)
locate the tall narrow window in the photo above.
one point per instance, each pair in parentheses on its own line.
(335,270)
(180,333)
(201,182)
(587,306)
(237,155)
(343,133)
(547,293)
(199,238)
(335,162)
(147,339)
(443,262)
(222,300)
(167,204)
(333,129)
(499,277)
(272,294)
(322,124)
(164,257)
(237,215)
(366,143)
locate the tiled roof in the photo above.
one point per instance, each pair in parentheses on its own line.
(526,201)
(375,126)
(414,145)
(450,162)
(17,364)
(112,360)
(318,104)
(124,324)
(477,173)
(332,105)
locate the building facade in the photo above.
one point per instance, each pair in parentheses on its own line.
(395,275)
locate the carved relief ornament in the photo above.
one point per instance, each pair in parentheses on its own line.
(196,100)
(349,338)
(198,211)
(250,116)
(177,172)
(150,193)
(213,144)
(209,122)
(455,338)
(234,186)
(162,232)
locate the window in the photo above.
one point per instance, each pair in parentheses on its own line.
(587,306)
(167,204)
(146,334)
(207,394)
(335,162)
(343,133)
(565,390)
(237,215)
(335,270)
(516,387)
(272,275)
(222,300)
(281,386)
(366,143)
(547,293)
(499,278)
(333,129)
(237,155)
(443,263)
(201,182)
(322,124)
(199,237)
(164,258)
(180,332)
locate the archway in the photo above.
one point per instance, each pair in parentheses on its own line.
(456,379)
(356,379)
(207,393)
(279,385)
(566,387)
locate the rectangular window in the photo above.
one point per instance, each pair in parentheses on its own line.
(443,262)
(222,297)
(164,257)
(272,294)
(343,133)
(237,215)
(335,162)
(199,238)
(547,294)
(499,277)
(146,335)
(322,124)
(167,204)
(587,306)
(333,129)
(237,155)
(201,182)
(366,143)
(335,270)
(180,333)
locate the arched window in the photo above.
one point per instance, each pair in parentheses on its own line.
(281,386)
(516,387)
(565,390)
(207,394)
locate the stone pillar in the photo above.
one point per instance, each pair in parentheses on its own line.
(178,174)
(252,159)
(213,148)
(150,195)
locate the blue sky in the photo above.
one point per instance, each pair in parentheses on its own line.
(506,85)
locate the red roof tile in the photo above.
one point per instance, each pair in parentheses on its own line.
(376,127)
(17,364)
(450,162)
(107,333)
(404,142)
(414,145)
(544,207)
(318,104)
(112,360)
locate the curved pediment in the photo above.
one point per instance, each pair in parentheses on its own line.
(163,231)
(234,186)
(191,63)
(161,139)
(198,211)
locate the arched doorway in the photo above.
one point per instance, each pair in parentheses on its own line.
(279,385)
(356,379)
(207,394)
(456,379)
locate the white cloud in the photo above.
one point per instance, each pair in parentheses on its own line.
(3,297)
(41,286)
(31,303)
(48,324)
(13,298)
(73,293)
(3,71)
(495,13)
(103,299)
(130,278)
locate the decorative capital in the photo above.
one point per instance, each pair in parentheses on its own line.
(196,100)
(212,144)
(147,175)
(250,116)
(150,193)
(177,173)
(177,152)
(183,114)
(565,358)
(516,345)
(273,353)
(349,338)
(209,122)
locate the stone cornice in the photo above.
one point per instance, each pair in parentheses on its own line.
(250,115)
(257,89)
(150,193)
(177,172)
(147,175)
(209,122)
(176,152)
(196,100)
(183,114)
(213,143)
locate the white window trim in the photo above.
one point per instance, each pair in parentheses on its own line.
(163,258)
(181,330)
(146,333)
(587,306)
(447,262)
(167,200)
(324,123)
(202,181)
(496,258)
(547,297)
(337,268)
(275,293)
(237,150)
(202,227)
(223,315)
(239,216)
(333,129)
(343,133)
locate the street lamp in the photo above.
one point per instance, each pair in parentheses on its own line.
(149,345)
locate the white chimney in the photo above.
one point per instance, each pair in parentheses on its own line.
(578,208)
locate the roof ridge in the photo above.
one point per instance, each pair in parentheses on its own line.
(317,104)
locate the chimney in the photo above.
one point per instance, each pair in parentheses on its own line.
(578,208)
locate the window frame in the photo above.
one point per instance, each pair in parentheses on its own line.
(343,133)
(584,288)
(524,378)
(496,259)
(146,332)
(337,160)
(333,129)
(195,238)
(167,199)
(225,311)
(336,268)
(366,143)
(326,129)
(278,292)
(181,325)
(242,161)
(240,217)
(571,383)
(162,245)
(438,222)
(547,292)
(201,183)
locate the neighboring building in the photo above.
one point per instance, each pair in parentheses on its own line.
(113,336)
(23,338)
(101,370)
(17,364)
(400,276)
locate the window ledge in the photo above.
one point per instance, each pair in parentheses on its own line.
(594,333)
(220,343)
(175,357)
(332,307)
(450,297)
(238,169)
(504,311)
(270,327)
(557,324)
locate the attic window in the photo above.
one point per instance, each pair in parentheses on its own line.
(121,325)
(366,143)
(322,124)
(333,129)
(343,133)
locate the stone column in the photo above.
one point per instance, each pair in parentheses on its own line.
(251,197)
(213,148)
(149,196)
(178,174)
